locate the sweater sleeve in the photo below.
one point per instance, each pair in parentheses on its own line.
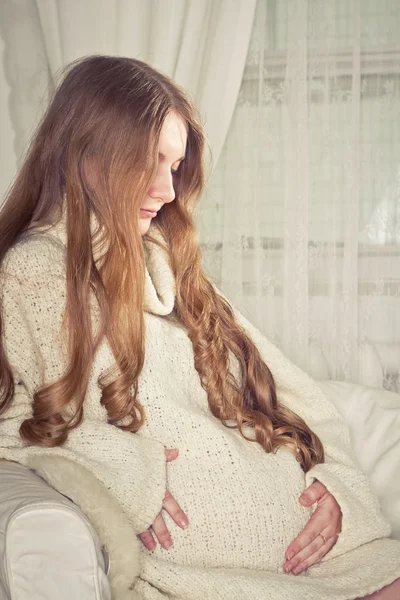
(129,465)
(340,473)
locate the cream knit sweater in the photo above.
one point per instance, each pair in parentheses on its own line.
(242,503)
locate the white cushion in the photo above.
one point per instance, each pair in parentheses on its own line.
(373,417)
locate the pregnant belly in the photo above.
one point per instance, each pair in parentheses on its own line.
(243,508)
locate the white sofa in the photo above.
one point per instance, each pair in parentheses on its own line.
(50,551)
(48,548)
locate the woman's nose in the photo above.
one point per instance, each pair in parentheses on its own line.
(163,187)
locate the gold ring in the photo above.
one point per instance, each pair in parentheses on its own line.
(323,537)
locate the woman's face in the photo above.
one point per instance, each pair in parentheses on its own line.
(171,152)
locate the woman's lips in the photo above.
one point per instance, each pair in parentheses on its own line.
(148,213)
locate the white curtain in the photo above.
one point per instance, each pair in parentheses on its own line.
(301,224)
(202,44)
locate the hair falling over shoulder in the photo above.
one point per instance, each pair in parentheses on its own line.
(105,111)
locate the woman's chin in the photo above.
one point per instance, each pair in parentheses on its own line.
(144,225)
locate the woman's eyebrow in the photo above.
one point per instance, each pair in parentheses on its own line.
(161,155)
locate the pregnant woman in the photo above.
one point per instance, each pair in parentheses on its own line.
(211,467)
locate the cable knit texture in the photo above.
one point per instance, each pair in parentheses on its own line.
(242,503)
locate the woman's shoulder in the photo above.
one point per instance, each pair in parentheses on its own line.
(36,256)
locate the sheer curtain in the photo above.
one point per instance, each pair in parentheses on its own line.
(301,223)
(202,44)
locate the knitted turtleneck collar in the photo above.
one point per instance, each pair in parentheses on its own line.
(159,289)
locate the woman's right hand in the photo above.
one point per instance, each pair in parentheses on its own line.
(158,529)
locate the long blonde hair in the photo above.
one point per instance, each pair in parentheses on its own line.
(111,108)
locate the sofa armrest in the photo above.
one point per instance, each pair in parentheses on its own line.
(48,548)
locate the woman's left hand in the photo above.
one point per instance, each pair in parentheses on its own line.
(321,532)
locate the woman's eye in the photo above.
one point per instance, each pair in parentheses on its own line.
(175,171)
